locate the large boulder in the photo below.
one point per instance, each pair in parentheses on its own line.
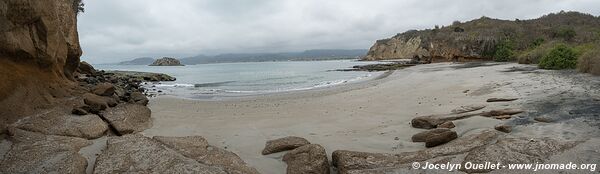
(60,123)
(86,68)
(440,138)
(104,89)
(139,98)
(422,136)
(37,153)
(283,144)
(135,153)
(197,148)
(309,158)
(96,103)
(166,61)
(128,118)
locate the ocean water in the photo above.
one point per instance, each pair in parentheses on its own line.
(207,81)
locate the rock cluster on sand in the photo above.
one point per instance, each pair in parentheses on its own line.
(476,148)
(166,61)
(303,156)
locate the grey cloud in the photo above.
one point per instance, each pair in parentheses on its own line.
(113,30)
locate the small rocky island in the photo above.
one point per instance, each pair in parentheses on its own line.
(167,61)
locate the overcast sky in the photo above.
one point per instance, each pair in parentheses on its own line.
(116,30)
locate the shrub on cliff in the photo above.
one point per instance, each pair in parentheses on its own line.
(589,61)
(504,51)
(534,54)
(560,57)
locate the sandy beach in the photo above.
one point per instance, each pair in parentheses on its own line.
(375,116)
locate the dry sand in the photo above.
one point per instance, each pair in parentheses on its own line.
(368,116)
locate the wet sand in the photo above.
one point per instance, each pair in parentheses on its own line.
(374,116)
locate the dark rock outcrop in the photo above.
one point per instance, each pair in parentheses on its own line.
(283,144)
(310,158)
(166,61)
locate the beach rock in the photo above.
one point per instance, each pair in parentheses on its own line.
(64,124)
(448,125)
(432,121)
(86,68)
(543,119)
(501,99)
(503,128)
(79,111)
(135,153)
(166,61)
(139,98)
(111,102)
(96,103)
(468,108)
(197,148)
(502,112)
(422,136)
(128,118)
(440,138)
(104,89)
(516,151)
(283,144)
(348,161)
(37,153)
(309,158)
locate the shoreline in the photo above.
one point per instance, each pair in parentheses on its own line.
(367,117)
(352,85)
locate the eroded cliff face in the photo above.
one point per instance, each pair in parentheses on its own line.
(39,52)
(435,46)
(478,39)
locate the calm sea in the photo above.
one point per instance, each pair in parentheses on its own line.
(208,81)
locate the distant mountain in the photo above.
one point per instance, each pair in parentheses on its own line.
(324,54)
(138,61)
(320,54)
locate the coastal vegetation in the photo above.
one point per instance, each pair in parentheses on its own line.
(555,41)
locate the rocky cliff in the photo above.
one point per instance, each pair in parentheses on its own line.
(39,53)
(478,39)
(166,61)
